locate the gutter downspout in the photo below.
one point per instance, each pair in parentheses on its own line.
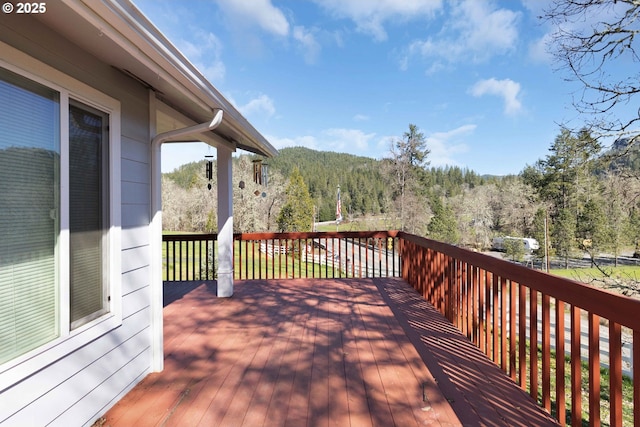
(157,342)
(191,130)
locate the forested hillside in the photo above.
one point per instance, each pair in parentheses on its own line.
(363,185)
(589,196)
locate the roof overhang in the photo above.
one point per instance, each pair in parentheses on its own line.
(116,32)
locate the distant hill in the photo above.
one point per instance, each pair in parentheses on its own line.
(623,154)
(364,188)
(362,185)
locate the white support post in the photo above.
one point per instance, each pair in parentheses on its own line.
(225,223)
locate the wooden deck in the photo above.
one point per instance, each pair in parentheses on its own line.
(318,352)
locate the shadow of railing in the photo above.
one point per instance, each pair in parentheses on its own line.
(559,340)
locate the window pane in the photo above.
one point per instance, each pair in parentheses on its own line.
(88,218)
(29,202)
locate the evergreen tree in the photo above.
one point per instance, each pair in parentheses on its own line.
(633,229)
(593,233)
(413,146)
(514,249)
(405,169)
(297,212)
(563,236)
(443,225)
(616,208)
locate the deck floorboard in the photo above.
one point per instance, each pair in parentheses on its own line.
(318,352)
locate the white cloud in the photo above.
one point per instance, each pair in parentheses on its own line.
(537,7)
(507,89)
(445,145)
(474,31)
(538,51)
(261,13)
(370,16)
(353,141)
(309,45)
(346,140)
(360,118)
(299,141)
(205,53)
(260,105)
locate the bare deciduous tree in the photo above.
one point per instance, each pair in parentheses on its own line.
(595,41)
(255,206)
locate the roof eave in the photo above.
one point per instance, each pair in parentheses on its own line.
(127,26)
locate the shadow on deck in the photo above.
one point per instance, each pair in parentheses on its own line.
(319,352)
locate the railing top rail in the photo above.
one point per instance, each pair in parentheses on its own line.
(189,237)
(291,235)
(316,234)
(618,308)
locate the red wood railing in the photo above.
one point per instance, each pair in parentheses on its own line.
(503,308)
(284,255)
(511,312)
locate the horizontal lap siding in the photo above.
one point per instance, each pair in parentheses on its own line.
(81,386)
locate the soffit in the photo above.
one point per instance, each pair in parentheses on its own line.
(117,33)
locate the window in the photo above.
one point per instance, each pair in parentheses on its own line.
(29,188)
(59,216)
(88,213)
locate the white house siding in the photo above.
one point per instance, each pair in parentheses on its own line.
(76,389)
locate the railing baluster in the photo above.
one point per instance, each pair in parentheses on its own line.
(513,287)
(259,255)
(482,310)
(533,344)
(561,405)
(379,258)
(615,374)
(253,257)
(360,256)
(594,370)
(546,352)
(503,324)
(576,368)
(333,258)
(488,314)
(168,258)
(495,332)
(286,261)
(475,289)
(523,296)
(206,259)
(636,378)
(176,261)
(278,268)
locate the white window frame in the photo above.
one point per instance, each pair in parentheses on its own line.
(69,339)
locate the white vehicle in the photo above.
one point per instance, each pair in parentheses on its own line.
(530,244)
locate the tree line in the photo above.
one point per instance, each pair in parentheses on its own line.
(586,197)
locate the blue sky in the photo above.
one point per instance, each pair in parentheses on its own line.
(351,75)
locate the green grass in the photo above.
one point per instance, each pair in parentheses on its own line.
(629,272)
(255,264)
(190,255)
(604,400)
